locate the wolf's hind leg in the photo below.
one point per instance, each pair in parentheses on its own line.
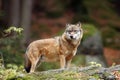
(27,64)
(40,61)
(33,65)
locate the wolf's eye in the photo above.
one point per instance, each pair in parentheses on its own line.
(80,30)
(68,31)
(76,30)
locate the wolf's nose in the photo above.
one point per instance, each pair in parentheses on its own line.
(71,37)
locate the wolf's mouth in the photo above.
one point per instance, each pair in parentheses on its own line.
(71,37)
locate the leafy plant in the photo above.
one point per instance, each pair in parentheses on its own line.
(12,28)
(95,64)
(11,46)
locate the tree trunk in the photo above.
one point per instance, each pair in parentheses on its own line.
(0,5)
(26,20)
(14,13)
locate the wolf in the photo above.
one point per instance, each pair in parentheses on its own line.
(62,48)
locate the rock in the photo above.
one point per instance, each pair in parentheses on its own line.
(95,58)
(111,77)
(92,79)
(93,47)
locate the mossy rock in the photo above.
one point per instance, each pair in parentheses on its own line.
(89,30)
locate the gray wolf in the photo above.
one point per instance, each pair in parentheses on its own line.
(62,48)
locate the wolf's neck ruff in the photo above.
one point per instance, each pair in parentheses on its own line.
(72,43)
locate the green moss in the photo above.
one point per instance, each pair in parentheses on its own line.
(89,30)
(79,60)
(95,76)
(47,66)
(65,75)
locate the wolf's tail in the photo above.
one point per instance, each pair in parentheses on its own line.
(27,64)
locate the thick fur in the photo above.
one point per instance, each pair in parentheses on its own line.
(61,48)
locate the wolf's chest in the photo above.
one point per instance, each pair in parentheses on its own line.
(68,52)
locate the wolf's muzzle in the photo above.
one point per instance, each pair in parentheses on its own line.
(71,37)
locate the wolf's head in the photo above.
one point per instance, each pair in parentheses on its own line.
(73,31)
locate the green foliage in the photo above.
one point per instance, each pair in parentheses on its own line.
(10,73)
(89,30)
(10,47)
(95,76)
(11,50)
(12,28)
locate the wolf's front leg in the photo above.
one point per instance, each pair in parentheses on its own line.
(68,60)
(62,61)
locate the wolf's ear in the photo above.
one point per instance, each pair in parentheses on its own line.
(67,25)
(79,24)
